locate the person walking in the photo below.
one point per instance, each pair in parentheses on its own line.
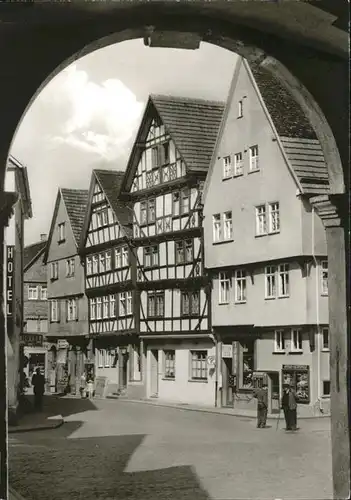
(261,394)
(38,382)
(83,383)
(289,406)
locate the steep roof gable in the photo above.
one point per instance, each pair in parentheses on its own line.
(192,124)
(31,253)
(110,182)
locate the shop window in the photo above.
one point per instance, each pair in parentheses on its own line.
(298,377)
(198,365)
(247,365)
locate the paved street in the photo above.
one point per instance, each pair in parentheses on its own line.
(124,450)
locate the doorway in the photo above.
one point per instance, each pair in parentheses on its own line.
(154,373)
(227,383)
(274,395)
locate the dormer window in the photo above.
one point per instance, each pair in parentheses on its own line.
(155,157)
(240,108)
(61,232)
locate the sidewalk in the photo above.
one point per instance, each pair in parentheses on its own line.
(221,411)
(36,422)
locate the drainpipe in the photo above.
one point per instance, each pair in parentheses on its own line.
(317,314)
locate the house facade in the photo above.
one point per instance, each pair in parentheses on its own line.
(68,305)
(33,340)
(16,181)
(109,265)
(266,248)
(163,183)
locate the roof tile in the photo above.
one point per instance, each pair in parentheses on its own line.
(76,201)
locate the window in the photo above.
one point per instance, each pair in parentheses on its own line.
(165,147)
(299,379)
(240,108)
(155,304)
(190,303)
(89,266)
(274,220)
(102,263)
(227,167)
(105,307)
(151,256)
(118,258)
(176,203)
(129,302)
(227,226)
(61,232)
(326,387)
(32,292)
(325,338)
(240,286)
(296,340)
(95,264)
(283,277)
(183,251)
(155,157)
(198,365)
(270,282)
(185,198)
(151,211)
(224,287)
(143,212)
(169,364)
(246,372)
(279,341)
(216,222)
(54,314)
(324,277)
(54,270)
(112,306)
(185,304)
(254,158)
(238,164)
(261,220)
(102,217)
(71,305)
(69,267)
(122,304)
(100,358)
(98,308)
(125,259)
(92,309)
(43,293)
(108,260)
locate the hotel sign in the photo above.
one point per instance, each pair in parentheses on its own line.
(10,251)
(31,339)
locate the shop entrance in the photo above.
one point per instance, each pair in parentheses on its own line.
(228,383)
(273,392)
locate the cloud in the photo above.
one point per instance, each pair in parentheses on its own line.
(103,117)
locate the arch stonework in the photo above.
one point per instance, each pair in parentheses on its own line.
(295,41)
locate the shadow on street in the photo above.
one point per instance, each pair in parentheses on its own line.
(57,405)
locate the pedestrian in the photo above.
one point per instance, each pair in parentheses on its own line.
(38,382)
(83,383)
(289,406)
(261,394)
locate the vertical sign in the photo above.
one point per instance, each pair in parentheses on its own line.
(10,250)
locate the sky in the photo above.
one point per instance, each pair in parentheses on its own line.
(88,115)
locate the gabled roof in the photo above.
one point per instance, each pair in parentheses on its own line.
(75,201)
(193,125)
(23,185)
(32,252)
(110,182)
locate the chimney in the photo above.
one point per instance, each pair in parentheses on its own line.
(43,237)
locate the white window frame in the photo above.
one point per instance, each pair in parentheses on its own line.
(217,227)
(95,264)
(240,286)
(105,307)
(240,108)
(122,304)
(129,303)
(279,341)
(118,258)
(198,364)
(261,220)
(227,167)
(325,335)
(33,292)
(92,307)
(125,259)
(324,277)
(61,232)
(274,217)
(224,285)
(112,311)
(271,282)
(283,280)
(296,340)
(102,262)
(89,267)
(227,226)
(238,164)
(99,308)
(43,292)
(54,311)
(100,358)
(70,267)
(71,305)
(54,270)
(169,366)
(108,260)
(254,163)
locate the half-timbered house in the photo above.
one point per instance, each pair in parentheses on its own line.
(68,309)
(106,252)
(163,182)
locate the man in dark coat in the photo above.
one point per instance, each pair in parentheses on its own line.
(289,406)
(261,395)
(38,382)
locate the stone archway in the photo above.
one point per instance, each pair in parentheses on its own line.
(308,64)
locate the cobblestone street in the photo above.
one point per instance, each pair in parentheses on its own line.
(122,450)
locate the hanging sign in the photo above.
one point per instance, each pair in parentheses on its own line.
(31,339)
(227,351)
(62,344)
(10,251)
(211,360)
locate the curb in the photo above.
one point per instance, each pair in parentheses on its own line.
(44,427)
(207,410)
